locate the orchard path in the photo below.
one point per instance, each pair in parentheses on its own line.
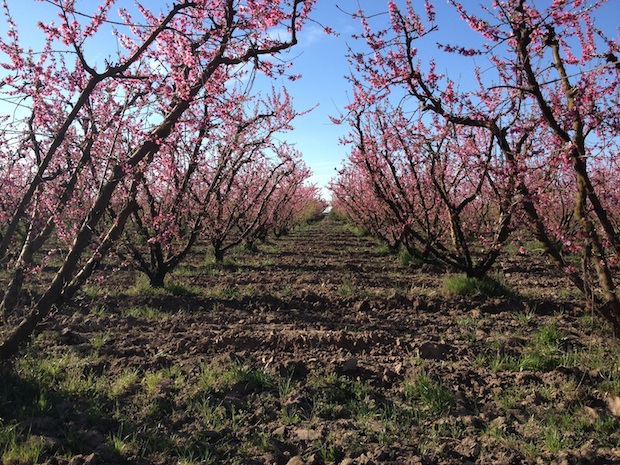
(320,289)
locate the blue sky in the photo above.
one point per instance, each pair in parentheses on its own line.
(320,58)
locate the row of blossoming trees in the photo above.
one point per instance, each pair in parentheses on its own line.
(145,153)
(450,173)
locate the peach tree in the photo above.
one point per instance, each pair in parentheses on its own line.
(546,103)
(83,133)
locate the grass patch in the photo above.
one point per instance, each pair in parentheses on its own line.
(548,337)
(98,340)
(154,398)
(347,288)
(230,292)
(124,383)
(466,286)
(143,311)
(215,377)
(429,393)
(406,259)
(142,287)
(384,250)
(15,449)
(268,249)
(356,230)
(546,350)
(182,290)
(335,396)
(67,373)
(122,444)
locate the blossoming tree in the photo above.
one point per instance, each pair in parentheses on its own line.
(85,134)
(550,106)
(437,189)
(187,184)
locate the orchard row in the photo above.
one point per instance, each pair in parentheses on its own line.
(167,143)
(453,172)
(145,154)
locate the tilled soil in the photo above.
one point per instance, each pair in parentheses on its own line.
(320,348)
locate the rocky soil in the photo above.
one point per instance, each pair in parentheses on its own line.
(319,347)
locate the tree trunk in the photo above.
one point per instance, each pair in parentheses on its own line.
(157,279)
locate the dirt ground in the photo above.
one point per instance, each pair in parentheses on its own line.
(319,347)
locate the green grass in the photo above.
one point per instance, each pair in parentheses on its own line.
(212,412)
(179,289)
(291,415)
(538,361)
(142,287)
(548,337)
(498,362)
(385,250)
(549,428)
(143,311)
(545,351)
(68,373)
(151,381)
(98,340)
(467,326)
(429,393)
(559,410)
(124,382)
(335,395)
(285,385)
(249,247)
(19,449)
(463,285)
(123,444)
(270,249)
(525,317)
(216,377)
(189,457)
(327,451)
(374,416)
(229,292)
(347,288)
(405,259)
(356,230)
